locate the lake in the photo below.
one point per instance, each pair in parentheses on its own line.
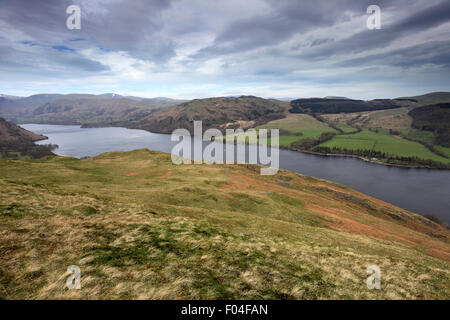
(417,190)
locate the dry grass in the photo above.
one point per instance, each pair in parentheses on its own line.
(142,228)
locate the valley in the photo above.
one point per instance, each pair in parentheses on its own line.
(383,130)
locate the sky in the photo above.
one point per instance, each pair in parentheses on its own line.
(204,48)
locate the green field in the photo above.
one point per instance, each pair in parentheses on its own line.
(381,121)
(346,128)
(419,135)
(383,143)
(305,124)
(444,150)
(365,140)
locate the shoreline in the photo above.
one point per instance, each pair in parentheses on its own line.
(351,156)
(363,159)
(279,147)
(382,195)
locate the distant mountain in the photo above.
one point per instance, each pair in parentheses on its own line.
(221,113)
(89,111)
(161,101)
(110,96)
(163,115)
(85,109)
(35,100)
(10,97)
(16,142)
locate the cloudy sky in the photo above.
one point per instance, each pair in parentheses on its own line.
(203,48)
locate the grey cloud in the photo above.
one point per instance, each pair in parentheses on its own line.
(434,52)
(121,25)
(319,42)
(45,60)
(370,39)
(133,27)
(280,41)
(285,19)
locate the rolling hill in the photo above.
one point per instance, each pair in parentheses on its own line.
(140,227)
(84,109)
(429,98)
(222,112)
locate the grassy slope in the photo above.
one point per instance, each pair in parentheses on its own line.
(432,98)
(9,132)
(396,119)
(298,123)
(140,227)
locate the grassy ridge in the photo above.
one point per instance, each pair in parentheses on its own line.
(140,227)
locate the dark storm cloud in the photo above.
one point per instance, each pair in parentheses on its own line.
(285,19)
(434,52)
(369,39)
(130,26)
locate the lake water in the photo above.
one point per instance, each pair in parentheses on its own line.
(418,190)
